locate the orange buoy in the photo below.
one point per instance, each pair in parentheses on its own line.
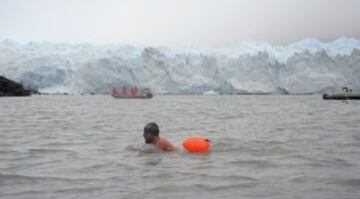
(196,144)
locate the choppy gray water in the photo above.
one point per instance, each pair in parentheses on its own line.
(263,147)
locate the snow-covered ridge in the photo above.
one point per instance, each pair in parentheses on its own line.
(302,67)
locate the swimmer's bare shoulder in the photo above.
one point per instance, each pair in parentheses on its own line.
(165,145)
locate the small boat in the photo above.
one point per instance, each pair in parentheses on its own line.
(346,95)
(132,93)
(341,97)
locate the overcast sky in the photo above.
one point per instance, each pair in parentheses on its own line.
(207,23)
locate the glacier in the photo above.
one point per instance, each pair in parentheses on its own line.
(308,66)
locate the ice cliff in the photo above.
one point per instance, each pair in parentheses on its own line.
(305,67)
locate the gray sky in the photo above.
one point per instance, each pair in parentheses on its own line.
(207,23)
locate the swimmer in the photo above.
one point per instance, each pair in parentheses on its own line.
(151,136)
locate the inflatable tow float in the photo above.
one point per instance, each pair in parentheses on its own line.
(197,144)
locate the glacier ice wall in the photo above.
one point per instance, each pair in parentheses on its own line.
(305,67)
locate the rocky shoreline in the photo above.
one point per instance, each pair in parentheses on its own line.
(12,88)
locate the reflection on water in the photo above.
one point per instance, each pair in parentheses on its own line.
(263,147)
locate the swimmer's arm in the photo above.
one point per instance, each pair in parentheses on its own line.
(165,145)
(169,147)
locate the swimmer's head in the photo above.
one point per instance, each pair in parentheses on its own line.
(151,133)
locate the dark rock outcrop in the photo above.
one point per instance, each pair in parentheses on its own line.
(11,88)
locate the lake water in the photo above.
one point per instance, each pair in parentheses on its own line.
(262,147)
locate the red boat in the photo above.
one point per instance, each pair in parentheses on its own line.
(132,93)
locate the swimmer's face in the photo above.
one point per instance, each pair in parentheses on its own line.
(149,138)
(151,133)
